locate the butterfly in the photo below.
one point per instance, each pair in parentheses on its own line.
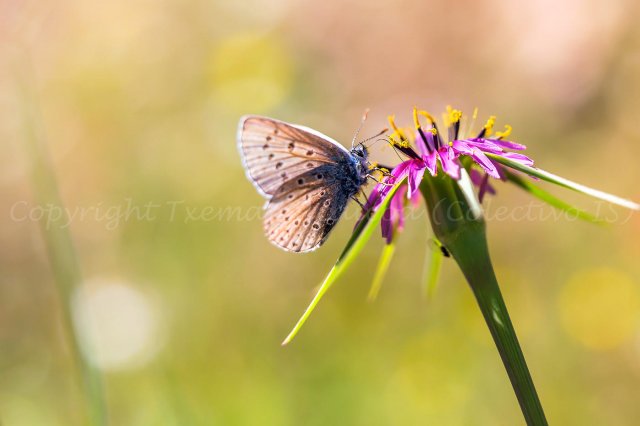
(307,178)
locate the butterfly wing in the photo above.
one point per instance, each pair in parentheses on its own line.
(274,151)
(304,210)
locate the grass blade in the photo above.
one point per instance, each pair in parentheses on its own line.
(543,195)
(381,270)
(432,270)
(550,177)
(59,246)
(356,243)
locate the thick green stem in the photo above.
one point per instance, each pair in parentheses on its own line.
(462,231)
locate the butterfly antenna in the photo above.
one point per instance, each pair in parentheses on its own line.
(380,133)
(364,118)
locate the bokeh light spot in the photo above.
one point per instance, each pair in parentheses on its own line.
(600,308)
(251,73)
(119,323)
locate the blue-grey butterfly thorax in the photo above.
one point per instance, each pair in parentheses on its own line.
(359,156)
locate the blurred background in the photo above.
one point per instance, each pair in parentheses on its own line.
(183,299)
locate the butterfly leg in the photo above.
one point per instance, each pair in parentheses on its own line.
(379,182)
(354,198)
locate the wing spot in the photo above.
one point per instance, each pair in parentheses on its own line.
(294,244)
(283,176)
(291,146)
(306,197)
(265,146)
(330,221)
(310,152)
(319,176)
(300,181)
(290,196)
(286,219)
(284,211)
(275,131)
(310,165)
(316,226)
(297,222)
(322,193)
(271,156)
(268,138)
(306,223)
(327,203)
(278,164)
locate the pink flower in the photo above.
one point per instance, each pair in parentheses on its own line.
(431,151)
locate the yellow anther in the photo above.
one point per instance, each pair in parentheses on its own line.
(416,122)
(428,116)
(505,133)
(488,127)
(433,131)
(402,143)
(454,115)
(450,143)
(395,128)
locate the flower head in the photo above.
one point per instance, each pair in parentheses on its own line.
(427,149)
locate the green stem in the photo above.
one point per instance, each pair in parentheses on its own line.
(472,255)
(463,233)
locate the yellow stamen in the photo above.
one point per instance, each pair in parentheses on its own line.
(402,143)
(450,143)
(395,128)
(505,133)
(471,123)
(433,131)
(454,115)
(428,116)
(488,127)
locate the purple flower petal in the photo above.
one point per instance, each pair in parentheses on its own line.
(421,144)
(449,163)
(415,177)
(397,208)
(485,163)
(484,145)
(508,144)
(387,226)
(520,158)
(461,147)
(431,162)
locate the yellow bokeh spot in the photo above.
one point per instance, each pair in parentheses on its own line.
(251,73)
(600,308)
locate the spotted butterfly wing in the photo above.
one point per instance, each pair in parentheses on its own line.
(307,177)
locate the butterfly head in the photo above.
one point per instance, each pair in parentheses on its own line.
(360,154)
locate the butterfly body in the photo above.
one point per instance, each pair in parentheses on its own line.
(307,177)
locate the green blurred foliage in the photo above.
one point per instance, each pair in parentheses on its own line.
(139,104)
